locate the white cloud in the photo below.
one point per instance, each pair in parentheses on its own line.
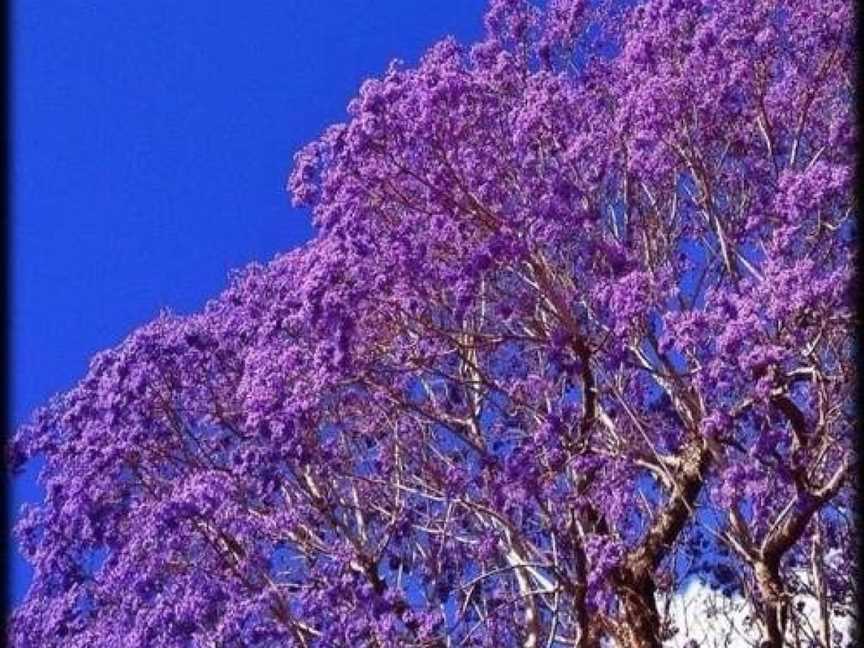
(709,618)
(713,620)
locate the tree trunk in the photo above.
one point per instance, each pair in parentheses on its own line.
(775,607)
(639,620)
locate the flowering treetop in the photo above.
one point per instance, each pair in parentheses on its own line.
(575,326)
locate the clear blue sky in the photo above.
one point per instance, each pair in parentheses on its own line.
(151,143)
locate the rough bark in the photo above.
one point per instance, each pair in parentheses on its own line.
(639,620)
(775,605)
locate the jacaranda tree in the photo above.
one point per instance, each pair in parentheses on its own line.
(575,328)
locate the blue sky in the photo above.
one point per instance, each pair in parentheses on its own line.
(150,146)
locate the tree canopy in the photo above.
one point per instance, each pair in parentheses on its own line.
(575,327)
